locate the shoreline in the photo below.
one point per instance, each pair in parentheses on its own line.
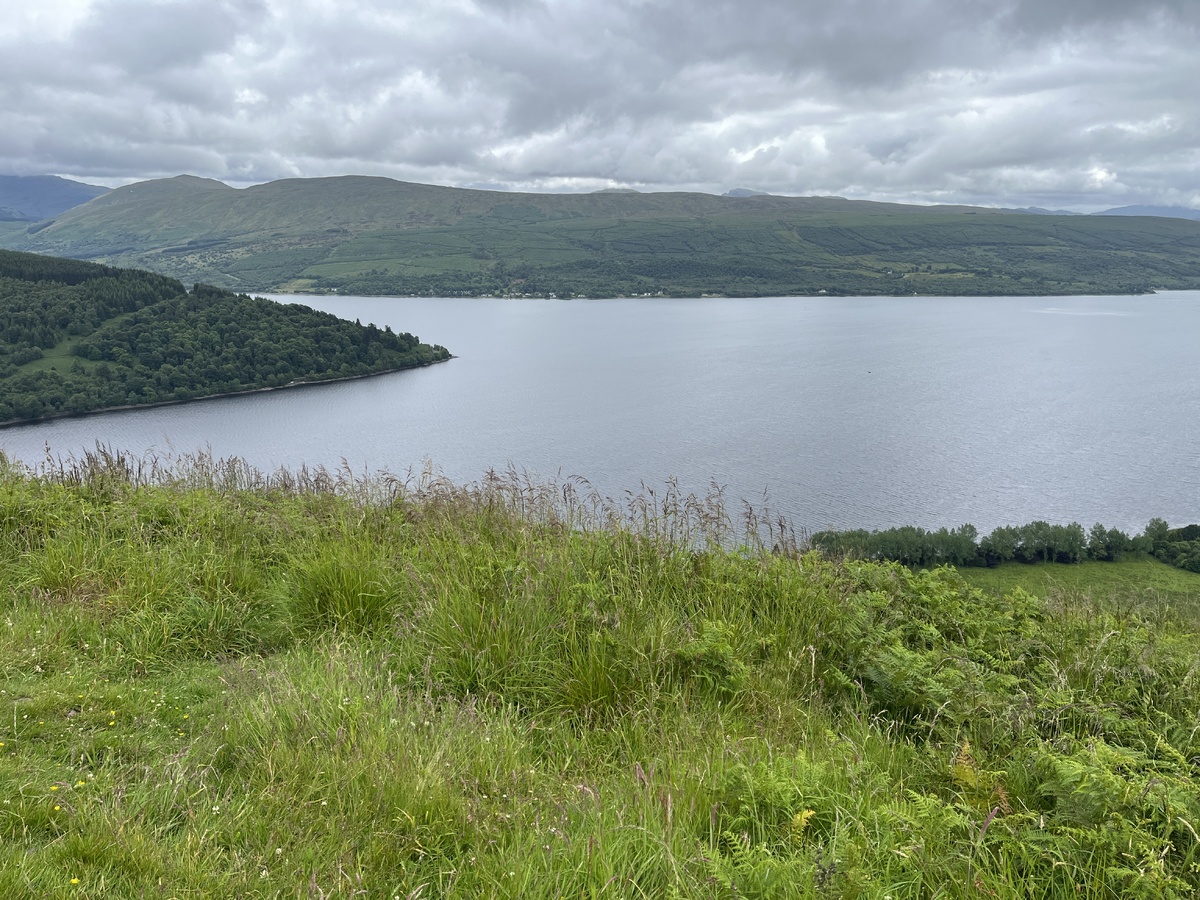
(17,423)
(823,294)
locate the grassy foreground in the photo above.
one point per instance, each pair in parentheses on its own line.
(219,684)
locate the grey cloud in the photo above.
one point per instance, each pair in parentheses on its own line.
(1070,102)
(1037,17)
(144,37)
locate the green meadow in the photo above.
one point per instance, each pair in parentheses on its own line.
(216,682)
(1143,583)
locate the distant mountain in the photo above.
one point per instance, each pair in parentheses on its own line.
(1170,212)
(745,192)
(366,235)
(1039,211)
(37,197)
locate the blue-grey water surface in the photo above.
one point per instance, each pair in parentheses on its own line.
(843,412)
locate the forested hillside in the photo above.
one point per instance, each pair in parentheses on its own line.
(77,337)
(378,236)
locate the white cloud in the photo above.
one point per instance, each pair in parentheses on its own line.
(1013,102)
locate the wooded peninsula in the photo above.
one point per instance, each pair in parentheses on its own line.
(78,337)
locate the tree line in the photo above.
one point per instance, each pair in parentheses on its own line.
(1035,542)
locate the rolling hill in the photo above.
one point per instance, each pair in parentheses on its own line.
(378,236)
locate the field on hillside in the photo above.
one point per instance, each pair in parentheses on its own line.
(1139,583)
(219,683)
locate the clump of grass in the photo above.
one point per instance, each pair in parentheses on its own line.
(341,586)
(219,682)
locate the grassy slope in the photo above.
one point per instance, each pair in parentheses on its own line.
(1138,581)
(374,234)
(311,687)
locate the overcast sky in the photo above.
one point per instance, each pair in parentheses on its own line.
(1080,104)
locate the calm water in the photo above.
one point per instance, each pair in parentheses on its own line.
(843,412)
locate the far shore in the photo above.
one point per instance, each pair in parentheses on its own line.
(14,423)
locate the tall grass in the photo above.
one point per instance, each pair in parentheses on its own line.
(220,682)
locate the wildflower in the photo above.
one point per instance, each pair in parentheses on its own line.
(57,808)
(74,881)
(54,787)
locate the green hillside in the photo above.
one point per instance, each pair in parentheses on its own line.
(378,236)
(77,337)
(215,683)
